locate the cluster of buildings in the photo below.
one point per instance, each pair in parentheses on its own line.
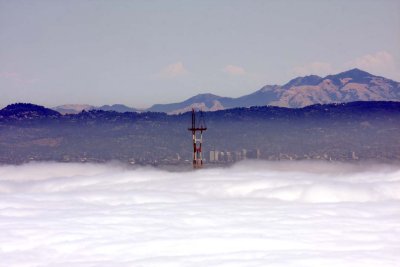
(216,156)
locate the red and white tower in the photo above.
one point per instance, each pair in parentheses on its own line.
(197,131)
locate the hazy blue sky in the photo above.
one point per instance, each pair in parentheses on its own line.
(140,53)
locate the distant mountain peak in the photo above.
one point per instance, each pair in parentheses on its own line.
(354,73)
(27,110)
(117,107)
(72,108)
(24,107)
(306,80)
(356,76)
(206,96)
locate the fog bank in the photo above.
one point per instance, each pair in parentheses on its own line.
(251,214)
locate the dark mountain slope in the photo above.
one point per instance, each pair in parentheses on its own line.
(349,131)
(26,110)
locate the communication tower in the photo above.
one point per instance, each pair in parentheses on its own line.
(197,131)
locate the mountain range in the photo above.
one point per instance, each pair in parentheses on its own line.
(349,86)
(77,108)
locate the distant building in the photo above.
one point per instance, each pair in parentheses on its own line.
(214,155)
(228,156)
(244,154)
(254,154)
(238,156)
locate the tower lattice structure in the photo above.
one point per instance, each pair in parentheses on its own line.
(197,129)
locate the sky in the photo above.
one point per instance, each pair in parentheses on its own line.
(278,214)
(140,53)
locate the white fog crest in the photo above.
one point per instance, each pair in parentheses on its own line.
(251,214)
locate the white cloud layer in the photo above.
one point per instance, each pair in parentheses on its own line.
(174,70)
(234,70)
(16,79)
(253,214)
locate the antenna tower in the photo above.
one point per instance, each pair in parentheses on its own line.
(197,129)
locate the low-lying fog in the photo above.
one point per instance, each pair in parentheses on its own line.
(251,214)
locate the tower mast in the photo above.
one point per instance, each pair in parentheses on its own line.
(197,129)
